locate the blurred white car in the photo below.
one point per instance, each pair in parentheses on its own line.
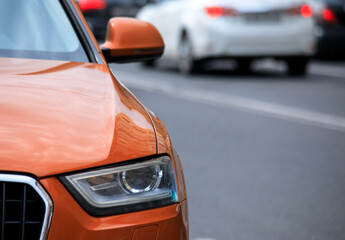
(196,31)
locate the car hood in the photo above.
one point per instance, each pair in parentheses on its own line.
(58,117)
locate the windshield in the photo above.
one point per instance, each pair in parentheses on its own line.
(38,29)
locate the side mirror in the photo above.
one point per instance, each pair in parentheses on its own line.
(132,40)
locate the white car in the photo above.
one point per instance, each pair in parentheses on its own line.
(196,31)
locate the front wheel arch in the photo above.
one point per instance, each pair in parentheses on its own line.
(186,60)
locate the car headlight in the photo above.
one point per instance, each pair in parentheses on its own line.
(125,188)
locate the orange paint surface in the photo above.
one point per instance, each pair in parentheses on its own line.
(130,36)
(63,116)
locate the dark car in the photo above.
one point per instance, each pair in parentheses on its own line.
(331,28)
(98,12)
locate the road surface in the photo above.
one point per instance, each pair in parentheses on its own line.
(263,153)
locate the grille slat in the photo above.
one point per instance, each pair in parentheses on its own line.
(22,212)
(3,199)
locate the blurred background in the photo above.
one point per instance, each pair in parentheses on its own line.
(253,96)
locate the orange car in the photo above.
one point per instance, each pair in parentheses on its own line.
(81,157)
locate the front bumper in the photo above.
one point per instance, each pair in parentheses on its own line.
(70,221)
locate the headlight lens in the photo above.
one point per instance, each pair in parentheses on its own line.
(126,188)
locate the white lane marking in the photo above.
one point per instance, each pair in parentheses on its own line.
(245,104)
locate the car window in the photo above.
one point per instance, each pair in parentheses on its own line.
(38,29)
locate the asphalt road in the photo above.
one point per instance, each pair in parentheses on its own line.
(263,153)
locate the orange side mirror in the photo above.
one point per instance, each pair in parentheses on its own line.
(132,40)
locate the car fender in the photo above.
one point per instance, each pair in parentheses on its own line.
(190,24)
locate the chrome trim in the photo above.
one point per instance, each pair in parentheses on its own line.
(43,194)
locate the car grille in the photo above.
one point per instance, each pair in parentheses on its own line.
(22,211)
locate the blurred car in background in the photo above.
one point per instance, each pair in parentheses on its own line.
(98,12)
(196,31)
(330,32)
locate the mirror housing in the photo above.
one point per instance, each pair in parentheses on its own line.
(131,40)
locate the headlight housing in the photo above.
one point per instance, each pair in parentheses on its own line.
(125,188)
